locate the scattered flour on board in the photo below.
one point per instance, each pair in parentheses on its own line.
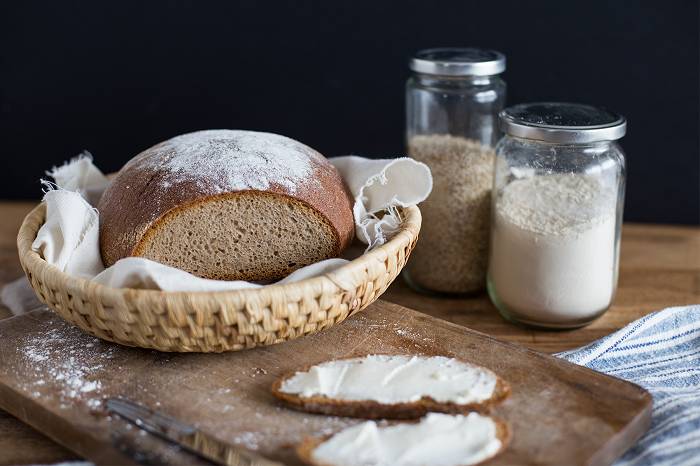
(412,334)
(234,159)
(64,358)
(404,332)
(60,361)
(250,440)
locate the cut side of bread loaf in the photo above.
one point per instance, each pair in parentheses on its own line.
(458,440)
(227,205)
(392,387)
(229,237)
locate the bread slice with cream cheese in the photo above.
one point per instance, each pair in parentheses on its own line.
(459,440)
(392,387)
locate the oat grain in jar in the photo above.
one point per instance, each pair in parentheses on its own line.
(452,103)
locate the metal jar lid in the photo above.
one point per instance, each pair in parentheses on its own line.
(562,123)
(458,61)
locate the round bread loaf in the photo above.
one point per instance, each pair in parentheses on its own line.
(227,205)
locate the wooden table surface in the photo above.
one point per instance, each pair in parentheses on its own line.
(659,267)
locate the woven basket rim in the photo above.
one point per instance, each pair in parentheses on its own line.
(34,263)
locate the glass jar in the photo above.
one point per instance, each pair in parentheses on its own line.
(452,103)
(557,206)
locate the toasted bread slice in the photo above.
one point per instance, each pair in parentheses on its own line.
(306,448)
(371,409)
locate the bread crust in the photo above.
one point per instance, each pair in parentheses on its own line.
(140,197)
(307,446)
(369,409)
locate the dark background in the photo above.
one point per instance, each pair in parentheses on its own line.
(117,77)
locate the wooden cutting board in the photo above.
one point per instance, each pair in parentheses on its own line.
(55,377)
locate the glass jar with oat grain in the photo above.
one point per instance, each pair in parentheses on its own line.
(453,99)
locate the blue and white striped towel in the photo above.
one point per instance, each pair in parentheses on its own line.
(660,352)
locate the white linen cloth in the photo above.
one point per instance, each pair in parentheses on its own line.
(69,238)
(381,186)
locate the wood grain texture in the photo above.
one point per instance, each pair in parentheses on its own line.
(659,267)
(11,216)
(22,444)
(580,416)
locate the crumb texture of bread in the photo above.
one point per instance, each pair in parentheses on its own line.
(227,204)
(392,387)
(459,440)
(227,238)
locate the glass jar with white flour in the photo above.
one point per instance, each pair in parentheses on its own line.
(557,205)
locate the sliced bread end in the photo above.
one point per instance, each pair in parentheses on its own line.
(307,446)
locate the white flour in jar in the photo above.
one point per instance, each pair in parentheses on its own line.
(553,256)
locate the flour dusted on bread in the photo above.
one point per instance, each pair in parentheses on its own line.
(399,386)
(227,204)
(438,439)
(220,161)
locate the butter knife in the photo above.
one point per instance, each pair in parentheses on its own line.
(186,436)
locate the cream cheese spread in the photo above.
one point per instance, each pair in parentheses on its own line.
(438,439)
(395,379)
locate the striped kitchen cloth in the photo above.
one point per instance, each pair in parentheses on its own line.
(660,352)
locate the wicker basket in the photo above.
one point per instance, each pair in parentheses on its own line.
(222,320)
